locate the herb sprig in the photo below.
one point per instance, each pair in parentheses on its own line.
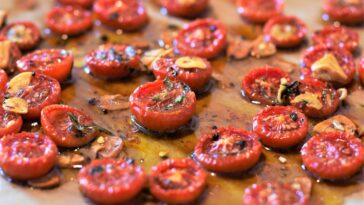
(82,128)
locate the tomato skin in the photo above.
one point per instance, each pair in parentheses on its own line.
(177,195)
(68,20)
(117,190)
(55,63)
(280,138)
(33,152)
(212,30)
(347,14)
(228,163)
(56,123)
(3,80)
(131,16)
(361,71)
(344,57)
(323,156)
(175,8)
(266,73)
(7,128)
(82,3)
(333,36)
(8,33)
(15,54)
(292,41)
(255,11)
(195,78)
(158,119)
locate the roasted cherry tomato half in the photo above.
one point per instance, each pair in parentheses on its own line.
(8,62)
(29,92)
(333,36)
(228,150)
(55,63)
(183,8)
(260,11)
(129,15)
(332,64)
(163,105)
(27,155)
(194,71)
(68,126)
(177,181)
(205,38)
(274,193)
(361,70)
(334,156)
(3,79)
(68,20)
(315,98)
(110,181)
(112,61)
(76,3)
(261,85)
(9,122)
(25,34)
(280,126)
(345,11)
(285,31)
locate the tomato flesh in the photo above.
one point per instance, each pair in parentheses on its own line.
(361,70)
(260,11)
(3,80)
(345,11)
(24,33)
(81,3)
(9,122)
(184,8)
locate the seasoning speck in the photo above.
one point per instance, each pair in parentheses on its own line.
(282,160)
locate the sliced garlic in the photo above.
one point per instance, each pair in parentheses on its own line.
(282,88)
(16,105)
(282,32)
(336,123)
(186,2)
(151,56)
(311,99)
(188,62)
(19,82)
(20,33)
(5,49)
(262,48)
(328,68)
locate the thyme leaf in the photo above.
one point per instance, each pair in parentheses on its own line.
(82,128)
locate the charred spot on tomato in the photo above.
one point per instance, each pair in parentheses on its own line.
(294,116)
(33,74)
(212,28)
(114,16)
(92,101)
(241,144)
(96,170)
(214,127)
(215,136)
(104,38)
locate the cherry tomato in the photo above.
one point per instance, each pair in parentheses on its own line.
(345,11)
(316,98)
(280,126)
(343,57)
(163,105)
(27,155)
(228,150)
(274,193)
(129,15)
(177,181)
(55,63)
(108,181)
(25,34)
(184,8)
(40,92)
(80,3)
(112,60)
(205,38)
(285,31)
(68,20)
(9,122)
(9,64)
(361,70)
(194,71)
(262,84)
(3,80)
(335,155)
(260,11)
(333,36)
(67,126)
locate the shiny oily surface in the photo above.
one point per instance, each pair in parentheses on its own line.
(223,106)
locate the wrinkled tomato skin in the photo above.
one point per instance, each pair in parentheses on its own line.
(333,156)
(188,10)
(253,10)
(344,58)
(361,71)
(331,37)
(55,63)
(68,20)
(159,120)
(81,3)
(281,138)
(13,147)
(23,45)
(296,39)
(6,127)
(267,72)
(3,80)
(56,123)
(116,191)
(216,30)
(231,163)
(197,181)
(347,14)
(195,78)
(122,18)
(111,69)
